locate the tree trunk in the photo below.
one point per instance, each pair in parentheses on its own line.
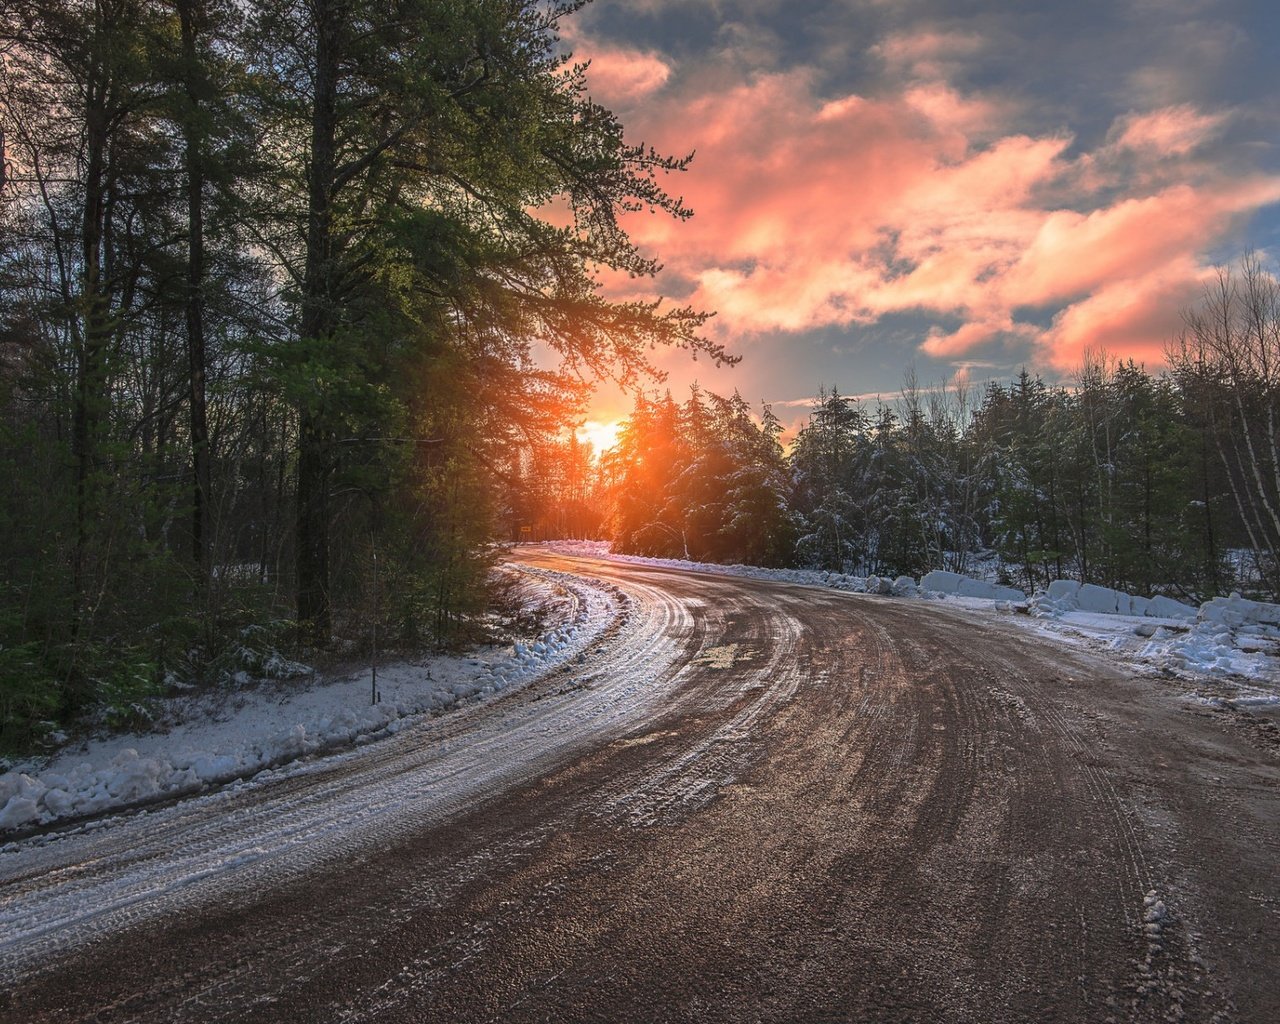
(317,325)
(1207,494)
(89,406)
(192,15)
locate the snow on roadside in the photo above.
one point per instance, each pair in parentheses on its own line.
(1242,666)
(222,736)
(1232,642)
(812,577)
(219,737)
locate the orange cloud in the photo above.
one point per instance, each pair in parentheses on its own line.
(813,210)
(1171,131)
(1133,318)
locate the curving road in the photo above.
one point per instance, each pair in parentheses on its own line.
(744,801)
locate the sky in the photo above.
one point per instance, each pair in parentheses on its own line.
(958,187)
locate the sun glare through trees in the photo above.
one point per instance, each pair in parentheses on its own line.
(602,437)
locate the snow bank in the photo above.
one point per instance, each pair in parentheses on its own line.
(1241,613)
(1235,611)
(1219,639)
(944,582)
(1225,638)
(218,737)
(1068,596)
(903,586)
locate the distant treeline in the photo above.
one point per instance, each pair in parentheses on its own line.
(1139,481)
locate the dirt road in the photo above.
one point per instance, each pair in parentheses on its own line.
(747,802)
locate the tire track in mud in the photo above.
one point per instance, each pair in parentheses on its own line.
(1165,976)
(764,655)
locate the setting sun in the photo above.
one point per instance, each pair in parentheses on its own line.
(601,436)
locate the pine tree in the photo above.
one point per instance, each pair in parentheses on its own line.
(429,137)
(827,463)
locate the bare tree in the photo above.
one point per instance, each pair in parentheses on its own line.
(1228,357)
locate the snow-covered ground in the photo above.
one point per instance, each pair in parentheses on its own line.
(227,846)
(1226,663)
(207,740)
(1229,649)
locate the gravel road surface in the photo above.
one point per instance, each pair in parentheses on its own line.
(743,801)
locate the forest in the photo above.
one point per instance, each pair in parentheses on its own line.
(272,279)
(299,305)
(1150,483)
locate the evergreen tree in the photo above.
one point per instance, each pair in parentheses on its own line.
(430,131)
(650,457)
(827,462)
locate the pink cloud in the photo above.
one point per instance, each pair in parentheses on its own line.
(929,52)
(617,76)
(783,298)
(971,335)
(623,75)
(803,206)
(780,177)
(950,110)
(814,210)
(1171,131)
(1133,318)
(1074,254)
